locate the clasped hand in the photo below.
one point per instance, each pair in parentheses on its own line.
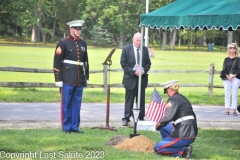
(157,126)
(138,71)
(230,77)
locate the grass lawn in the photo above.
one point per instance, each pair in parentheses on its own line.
(210,144)
(47,143)
(42,58)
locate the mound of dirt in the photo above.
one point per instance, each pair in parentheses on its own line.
(115,140)
(137,144)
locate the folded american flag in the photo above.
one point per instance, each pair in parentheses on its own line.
(156,108)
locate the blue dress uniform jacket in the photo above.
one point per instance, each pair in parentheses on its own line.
(72,68)
(74,50)
(181,107)
(177,136)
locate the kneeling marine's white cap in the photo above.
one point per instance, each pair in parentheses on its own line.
(168,83)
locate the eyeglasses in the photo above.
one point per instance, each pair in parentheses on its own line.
(232,47)
(165,90)
(77,28)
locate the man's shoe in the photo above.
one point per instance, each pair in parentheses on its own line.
(67,132)
(188,152)
(125,122)
(141,119)
(79,131)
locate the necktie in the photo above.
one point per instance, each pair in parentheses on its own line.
(138,57)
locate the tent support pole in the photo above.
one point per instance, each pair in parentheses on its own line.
(140,71)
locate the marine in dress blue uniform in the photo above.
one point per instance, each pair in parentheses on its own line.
(71,71)
(178,127)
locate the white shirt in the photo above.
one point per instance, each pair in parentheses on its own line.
(135,52)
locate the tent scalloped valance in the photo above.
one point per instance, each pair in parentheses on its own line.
(201,14)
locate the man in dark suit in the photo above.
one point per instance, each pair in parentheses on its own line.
(130,62)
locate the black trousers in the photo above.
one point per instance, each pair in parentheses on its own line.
(130,95)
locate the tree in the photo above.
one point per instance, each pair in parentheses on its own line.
(13,17)
(101,36)
(66,11)
(121,17)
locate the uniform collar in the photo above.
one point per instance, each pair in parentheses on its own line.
(75,39)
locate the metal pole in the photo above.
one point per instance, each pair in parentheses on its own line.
(108,62)
(107,110)
(140,71)
(146,28)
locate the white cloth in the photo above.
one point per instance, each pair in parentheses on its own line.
(183,119)
(72,62)
(231,86)
(59,84)
(75,23)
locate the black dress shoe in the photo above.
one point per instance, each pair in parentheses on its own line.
(188,152)
(79,131)
(67,132)
(141,118)
(125,122)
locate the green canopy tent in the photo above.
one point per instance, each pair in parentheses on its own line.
(201,14)
(193,14)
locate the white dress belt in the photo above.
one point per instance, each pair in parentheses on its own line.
(72,62)
(183,119)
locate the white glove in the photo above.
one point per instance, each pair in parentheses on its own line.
(59,84)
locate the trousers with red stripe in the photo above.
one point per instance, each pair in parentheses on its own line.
(71,99)
(170,145)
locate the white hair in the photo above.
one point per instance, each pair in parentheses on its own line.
(137,34)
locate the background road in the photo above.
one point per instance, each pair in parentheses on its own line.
(39,115)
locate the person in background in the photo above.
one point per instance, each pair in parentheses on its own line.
(238,108)
(176,136)
(71,71)
(230,75)
(130,61)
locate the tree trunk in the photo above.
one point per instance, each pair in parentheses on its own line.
(174,38)
(34,33)
(39,30)
(35,30)
(189,41)
(195,44)
(159,37)
(200,41)
(44,38)
(54,27)
(164,41)
(204,38)
(180,38)
(171,37)
(121,40)
(65,34)
(230,37)
(179,41)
